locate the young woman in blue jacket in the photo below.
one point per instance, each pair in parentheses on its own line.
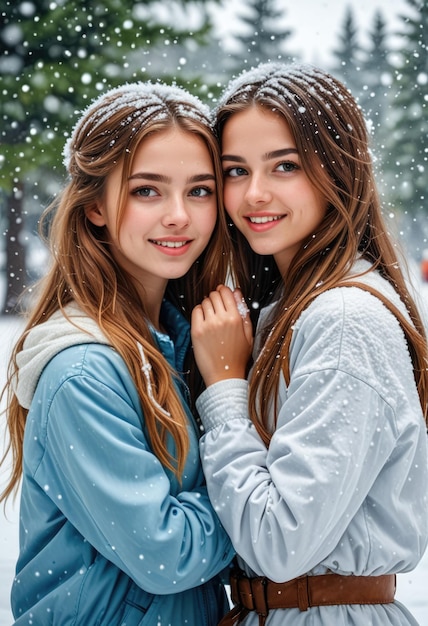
(318,466)
(115,522)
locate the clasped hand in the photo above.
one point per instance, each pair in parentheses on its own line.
(222,335)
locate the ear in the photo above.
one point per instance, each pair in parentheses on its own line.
(95,215)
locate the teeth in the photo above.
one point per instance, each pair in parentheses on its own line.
(170,244)
(264,220)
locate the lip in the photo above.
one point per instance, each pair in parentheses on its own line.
(171,246)
(265,221)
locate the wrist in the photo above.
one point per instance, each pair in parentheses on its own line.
(227,374)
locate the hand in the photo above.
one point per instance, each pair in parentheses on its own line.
(222,335)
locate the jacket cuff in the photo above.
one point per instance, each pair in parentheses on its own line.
(222,402)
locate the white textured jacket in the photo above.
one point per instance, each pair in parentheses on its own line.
(343,486)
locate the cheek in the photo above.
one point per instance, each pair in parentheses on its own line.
(320,207)
(208,221)
(232,198)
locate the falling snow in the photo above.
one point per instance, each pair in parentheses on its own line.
(402,174)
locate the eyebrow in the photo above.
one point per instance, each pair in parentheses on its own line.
(266,157)
(160,178)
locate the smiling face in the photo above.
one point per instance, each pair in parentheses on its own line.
(170,209)
(267,194)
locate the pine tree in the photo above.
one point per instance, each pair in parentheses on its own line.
(346,63)
(409,149)
(264,37)
(54,58)
(377,93)
(376,73)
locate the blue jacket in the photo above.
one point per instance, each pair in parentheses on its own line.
(107,535)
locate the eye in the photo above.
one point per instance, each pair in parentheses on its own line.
(234,172)
(287,166)
(201,192)
(144,192)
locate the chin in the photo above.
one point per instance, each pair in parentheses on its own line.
(261,250)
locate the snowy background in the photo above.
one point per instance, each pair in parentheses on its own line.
(412,589)
(316,26)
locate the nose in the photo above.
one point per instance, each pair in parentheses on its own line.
(257,191)
(176,214)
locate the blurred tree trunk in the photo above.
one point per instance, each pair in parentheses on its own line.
(15,250)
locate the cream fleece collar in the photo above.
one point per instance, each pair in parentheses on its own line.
(46,340)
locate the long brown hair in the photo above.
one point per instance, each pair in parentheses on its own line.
(333,144)
(84,271)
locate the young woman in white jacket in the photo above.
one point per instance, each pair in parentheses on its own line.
(317,466)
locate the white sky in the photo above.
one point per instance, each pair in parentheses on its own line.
(316,23)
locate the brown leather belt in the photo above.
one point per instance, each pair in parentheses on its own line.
(260,594)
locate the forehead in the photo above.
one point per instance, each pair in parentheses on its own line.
(173,144)
(257,127)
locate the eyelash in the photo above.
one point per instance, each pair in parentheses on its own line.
(228,171)
(290,166)
(208,191)
(139,191)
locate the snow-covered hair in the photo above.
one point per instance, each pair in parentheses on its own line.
(278,80)
(133,106)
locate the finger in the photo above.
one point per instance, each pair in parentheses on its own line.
(207,307)
(248,330)
(217,302)
(223,289)
(229,299)
(197,315)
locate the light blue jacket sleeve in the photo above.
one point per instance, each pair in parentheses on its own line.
(95,462)
(343,484)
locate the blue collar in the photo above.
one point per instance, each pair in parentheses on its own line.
(173,344)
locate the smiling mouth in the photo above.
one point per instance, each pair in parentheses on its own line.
(170,244)
(264,220)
